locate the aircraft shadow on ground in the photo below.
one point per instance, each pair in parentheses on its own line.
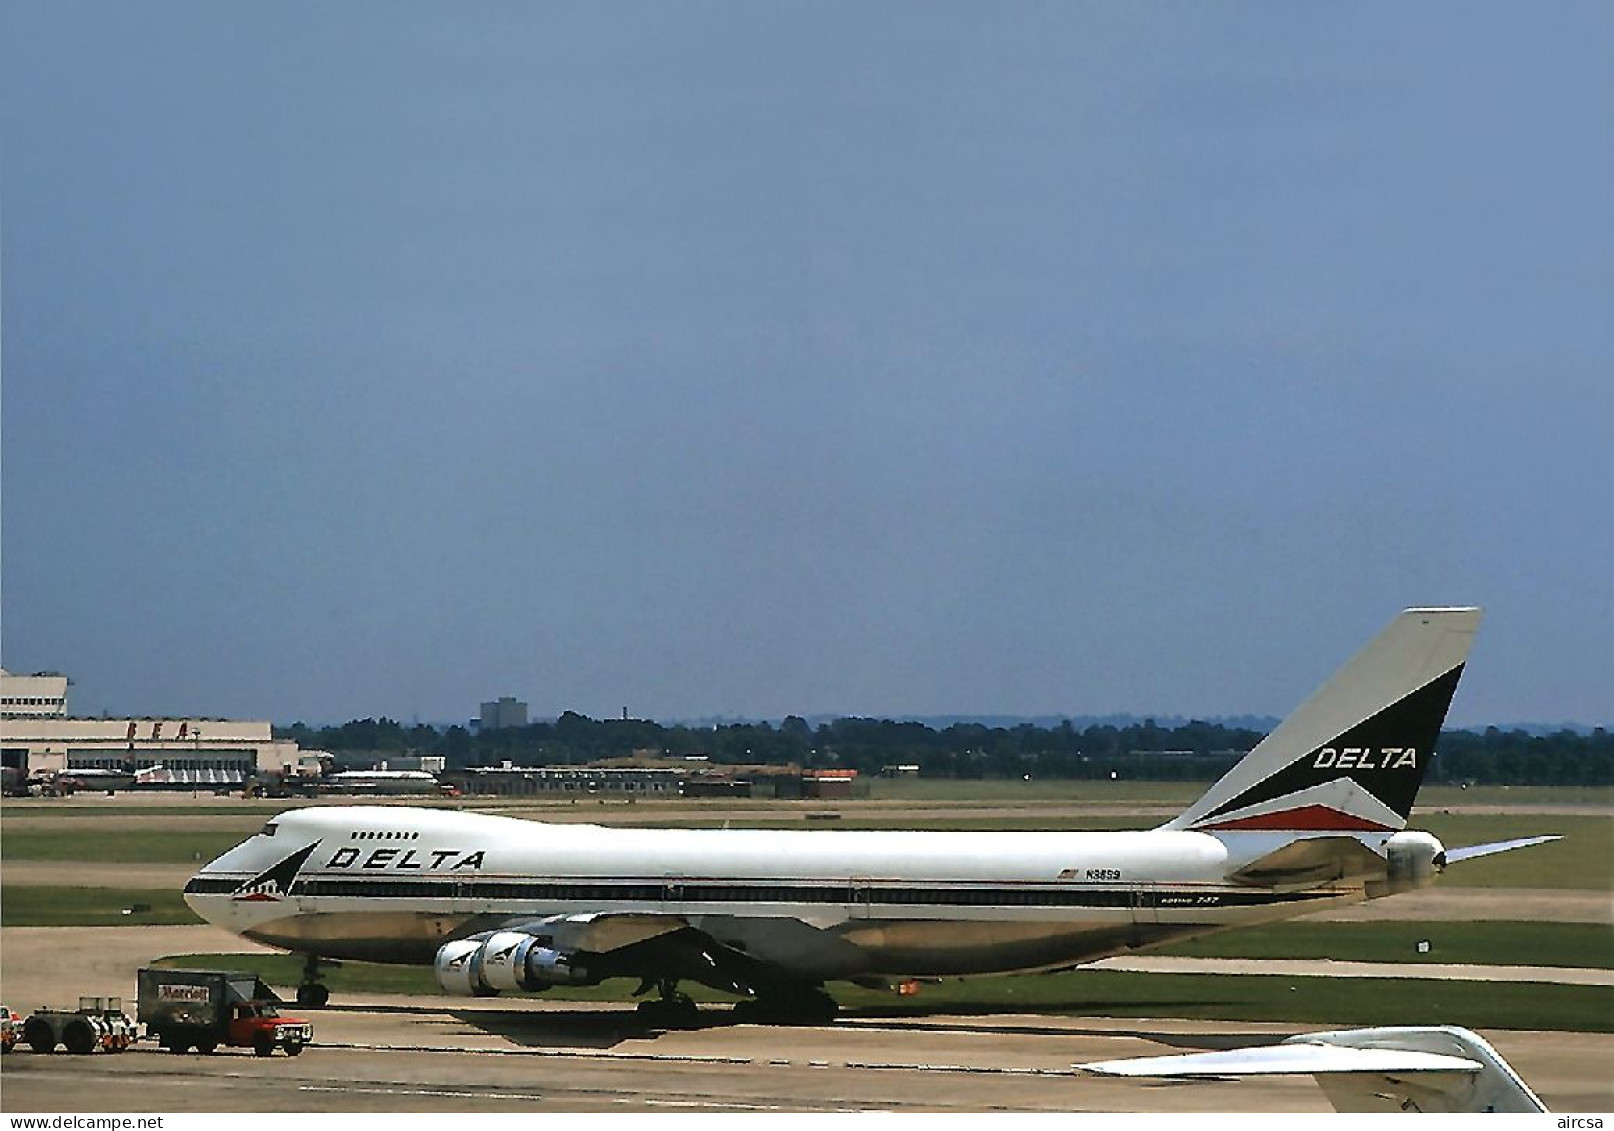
(1195,1042)
(570,1029)
(895,1016)
(608,1027)
(574,1028)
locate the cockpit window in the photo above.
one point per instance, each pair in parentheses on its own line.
(267,830)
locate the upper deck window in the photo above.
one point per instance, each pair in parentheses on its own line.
(267,830)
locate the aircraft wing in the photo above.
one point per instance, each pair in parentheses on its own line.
(1427,1069)
(646,945)
(601,931)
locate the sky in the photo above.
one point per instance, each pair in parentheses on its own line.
(735,359)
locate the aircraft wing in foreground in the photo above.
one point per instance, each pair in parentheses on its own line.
(1443,1068)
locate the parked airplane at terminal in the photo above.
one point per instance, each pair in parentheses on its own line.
(1313,818)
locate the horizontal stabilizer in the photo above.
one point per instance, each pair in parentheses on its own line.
(1474,852)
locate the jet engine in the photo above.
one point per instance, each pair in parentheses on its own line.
(504,960)
(1411,860)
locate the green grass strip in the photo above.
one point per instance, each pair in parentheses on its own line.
(1589,945)
(27,905)
(148,846)
(1261,997)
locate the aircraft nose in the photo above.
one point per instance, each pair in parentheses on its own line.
(211,888)
(208,894)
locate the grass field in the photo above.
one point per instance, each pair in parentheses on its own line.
(154,846)
(1484,944)
(1101,993)
(24,905)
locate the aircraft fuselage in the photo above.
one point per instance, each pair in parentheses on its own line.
(393,884)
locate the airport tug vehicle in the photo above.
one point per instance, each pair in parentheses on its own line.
(97,1025)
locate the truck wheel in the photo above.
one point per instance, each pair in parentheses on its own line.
(39,1036)
(293,1048)
(263,1044)
(79,1038)
(206,1048)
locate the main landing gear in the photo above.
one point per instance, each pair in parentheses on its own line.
(672,1010)
(312,993)
(788,1005)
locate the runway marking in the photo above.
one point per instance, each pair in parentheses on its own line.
(451,1093)
(726,1104)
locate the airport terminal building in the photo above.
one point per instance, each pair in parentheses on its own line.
(39,740)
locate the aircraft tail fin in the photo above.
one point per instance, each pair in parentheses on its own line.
(1351,757)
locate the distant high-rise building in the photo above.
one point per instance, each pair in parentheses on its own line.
(503,713)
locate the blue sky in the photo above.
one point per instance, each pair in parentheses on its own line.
(754,359)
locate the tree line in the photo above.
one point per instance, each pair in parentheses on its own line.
(1192,751)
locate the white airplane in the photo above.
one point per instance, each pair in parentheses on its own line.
(1436,1068)
(1313,818)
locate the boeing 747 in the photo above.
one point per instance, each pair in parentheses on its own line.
(1312,819)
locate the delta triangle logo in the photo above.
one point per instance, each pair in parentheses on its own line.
(274,884)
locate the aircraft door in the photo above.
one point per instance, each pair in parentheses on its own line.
(1145,906)
(672,894)
(859,896)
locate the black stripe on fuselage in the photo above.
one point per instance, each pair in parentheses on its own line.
(707,892)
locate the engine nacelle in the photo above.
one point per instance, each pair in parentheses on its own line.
(1411,860)
(504,960)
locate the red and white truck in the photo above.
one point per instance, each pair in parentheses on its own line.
(203,1009)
